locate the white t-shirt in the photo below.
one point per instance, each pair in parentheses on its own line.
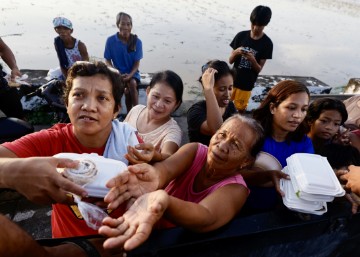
(170,131)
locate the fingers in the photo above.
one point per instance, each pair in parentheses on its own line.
(119,180)
(71,187)
(142,233)
(116,200)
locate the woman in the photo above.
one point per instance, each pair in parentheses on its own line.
(202,179)
(153,121)
(205,117)
(124,52)
(92,97)
(281,114)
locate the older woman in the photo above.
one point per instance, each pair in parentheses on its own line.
(92,96)
(202,179)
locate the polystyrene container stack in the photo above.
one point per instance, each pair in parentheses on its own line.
(312,183)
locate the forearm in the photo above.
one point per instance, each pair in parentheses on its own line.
(135,68)
(213,117)
(189,215)
(233,56)
(9,58)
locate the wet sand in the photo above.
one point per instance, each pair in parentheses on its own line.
(318,39)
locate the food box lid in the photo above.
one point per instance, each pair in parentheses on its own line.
(107,169)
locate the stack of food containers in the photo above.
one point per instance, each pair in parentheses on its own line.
(312,183)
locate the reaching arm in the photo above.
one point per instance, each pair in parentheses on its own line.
(135,226)
(9,58)
(352,179)
(143,178)
(37,178)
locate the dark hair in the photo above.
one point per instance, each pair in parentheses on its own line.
(261,15)
(276,96)
(320,105)
(258,141)
(172,80)
(340,155)
(88,69)
(131,46)
(222,68)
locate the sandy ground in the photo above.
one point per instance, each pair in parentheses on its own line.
(311,38)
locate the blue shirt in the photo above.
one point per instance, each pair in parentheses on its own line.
(116,51)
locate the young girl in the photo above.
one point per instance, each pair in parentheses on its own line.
(68,48)
(153,122)
(281,114)
(323,121)
(205,117)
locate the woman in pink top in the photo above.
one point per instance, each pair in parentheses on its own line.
(202,179)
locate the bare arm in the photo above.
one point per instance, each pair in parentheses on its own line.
(135,226)
(109,63)
(9,58)
(37,178)
(213,114)
(83,52)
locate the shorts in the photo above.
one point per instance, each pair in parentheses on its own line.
(240,98)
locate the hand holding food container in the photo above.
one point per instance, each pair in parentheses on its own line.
(93,172)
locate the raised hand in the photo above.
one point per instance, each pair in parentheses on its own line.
(135,226)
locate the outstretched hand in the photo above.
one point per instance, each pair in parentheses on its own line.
(141,153)
(352,179)
(38,180)
(133,183)
(135,226)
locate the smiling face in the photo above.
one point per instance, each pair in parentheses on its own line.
(222,90)
(161,101)
(91,108)
(229,149)
(326,126)
(288,115)
(125,26)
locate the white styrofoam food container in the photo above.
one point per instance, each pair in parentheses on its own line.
(107,169)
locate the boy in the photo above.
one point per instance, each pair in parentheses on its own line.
(68,49)
(251,49)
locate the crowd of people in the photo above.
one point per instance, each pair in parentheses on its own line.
(166,183)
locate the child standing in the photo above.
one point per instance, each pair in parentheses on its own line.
(68,49)
(251,49)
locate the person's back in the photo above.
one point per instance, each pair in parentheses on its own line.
(69,49)
(251,49)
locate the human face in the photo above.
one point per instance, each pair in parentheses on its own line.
(229,149)
(161,101)
(288,115)
(63,32)
(257,31)
(91,106)
(327,125)
(125,26)
(222,90)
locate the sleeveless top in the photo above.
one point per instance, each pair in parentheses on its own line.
(73,54)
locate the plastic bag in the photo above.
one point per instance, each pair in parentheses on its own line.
(92,214)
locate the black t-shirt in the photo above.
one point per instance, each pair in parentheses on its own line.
(196,115)
(245,76)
